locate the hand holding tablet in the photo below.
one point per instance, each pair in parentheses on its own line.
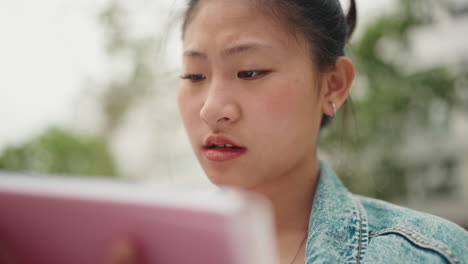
(48,220)
(123,251)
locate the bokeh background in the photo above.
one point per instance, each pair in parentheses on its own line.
(88,88)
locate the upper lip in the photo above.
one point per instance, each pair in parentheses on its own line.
(219,140)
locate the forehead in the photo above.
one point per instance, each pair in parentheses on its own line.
(220,23)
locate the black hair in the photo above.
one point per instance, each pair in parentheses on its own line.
(322,23)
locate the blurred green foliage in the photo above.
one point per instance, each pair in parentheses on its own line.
(124,91)
(396,99)
(60,151)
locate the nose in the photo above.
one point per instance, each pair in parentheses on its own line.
(220,109)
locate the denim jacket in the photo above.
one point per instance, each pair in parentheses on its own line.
(346,228)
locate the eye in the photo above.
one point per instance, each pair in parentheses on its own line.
(193,77)
(251,75)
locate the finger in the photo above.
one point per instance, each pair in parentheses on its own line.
(124,252)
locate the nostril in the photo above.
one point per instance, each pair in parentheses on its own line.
(217,114)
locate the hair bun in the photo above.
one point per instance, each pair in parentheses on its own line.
(351,18)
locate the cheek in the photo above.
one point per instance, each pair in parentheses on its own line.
(189,109)
(287,122)
(182,104)
(291,104)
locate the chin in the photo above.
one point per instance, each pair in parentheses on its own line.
(235,179)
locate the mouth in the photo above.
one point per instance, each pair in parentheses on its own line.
(225,146)
(220,148)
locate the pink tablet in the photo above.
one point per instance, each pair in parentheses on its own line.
(47,220)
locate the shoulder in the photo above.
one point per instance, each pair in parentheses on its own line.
(401,234)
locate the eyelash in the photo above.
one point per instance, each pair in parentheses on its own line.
(193,77)
(256,74)
(242,75)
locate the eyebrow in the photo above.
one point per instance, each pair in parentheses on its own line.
(243,48)
(236,50)
(195,54)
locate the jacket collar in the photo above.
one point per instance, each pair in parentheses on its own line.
(338,230)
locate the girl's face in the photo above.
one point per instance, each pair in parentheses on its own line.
(250,83)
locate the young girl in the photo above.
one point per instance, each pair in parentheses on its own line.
(261,78)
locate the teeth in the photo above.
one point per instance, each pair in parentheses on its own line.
(223,146)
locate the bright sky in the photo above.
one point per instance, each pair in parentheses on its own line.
(49,48)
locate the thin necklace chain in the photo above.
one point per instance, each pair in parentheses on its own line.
(299,249)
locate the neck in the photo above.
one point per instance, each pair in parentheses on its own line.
(291,196)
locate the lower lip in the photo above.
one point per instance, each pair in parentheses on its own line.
(223,154)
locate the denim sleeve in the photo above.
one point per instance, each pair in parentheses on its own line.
(402,235)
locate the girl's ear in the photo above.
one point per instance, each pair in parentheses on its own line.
(338,82)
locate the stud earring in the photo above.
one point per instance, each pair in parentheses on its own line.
(334,109)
